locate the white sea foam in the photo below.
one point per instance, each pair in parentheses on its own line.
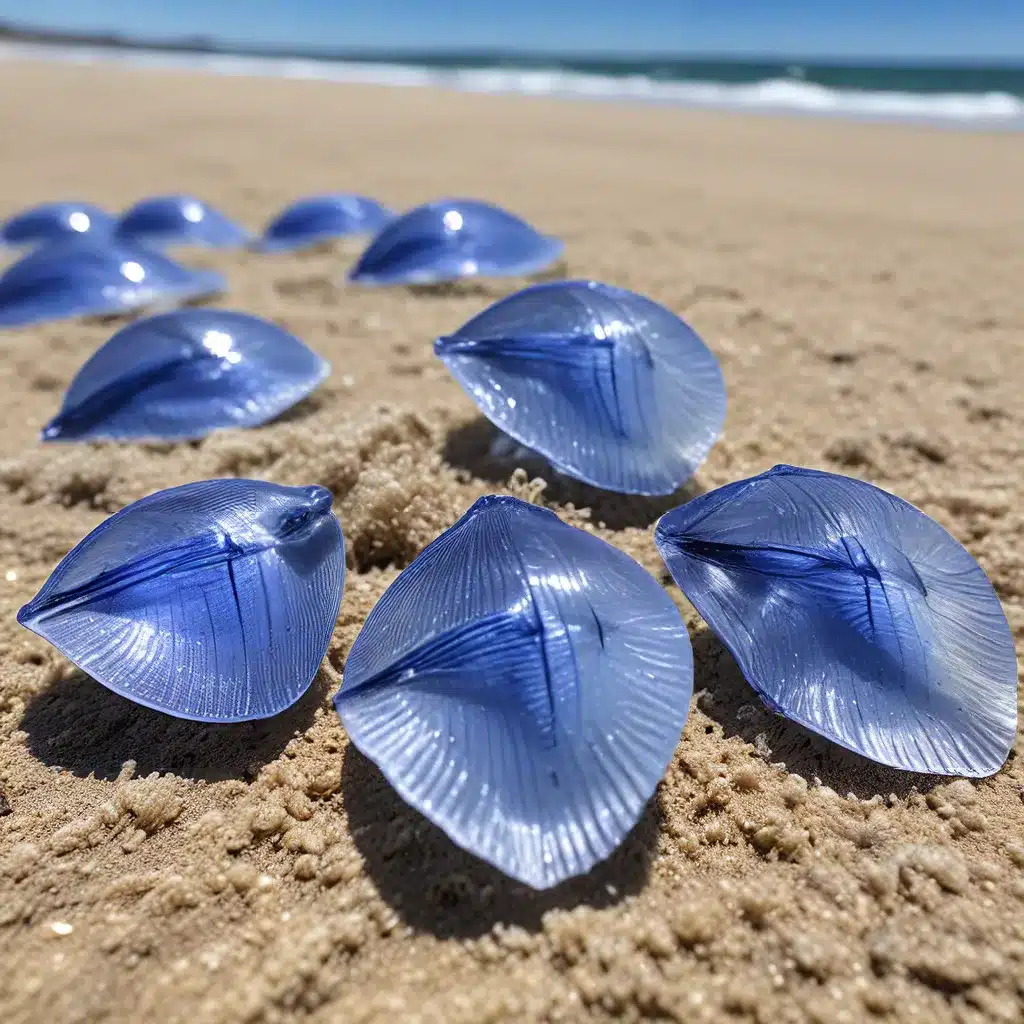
(792,95)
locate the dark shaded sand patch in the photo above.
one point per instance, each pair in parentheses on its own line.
(734,704)
(78,725)
(437,887)
(467,447)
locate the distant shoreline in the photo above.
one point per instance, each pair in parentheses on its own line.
(964,94)
(595,62)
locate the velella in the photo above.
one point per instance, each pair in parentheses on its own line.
(523,684)
(853,613)
(162,221)
(52,222)
(611,387)
(316,219)
(451,239)
(213,601)
(181,375)
(96,277)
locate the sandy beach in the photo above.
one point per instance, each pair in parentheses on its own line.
(861,286)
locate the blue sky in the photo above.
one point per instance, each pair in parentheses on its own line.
(975,29)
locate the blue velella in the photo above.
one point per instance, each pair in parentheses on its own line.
(52,222)
(214,601)
(316,219)
(523,684)
(96,277)
(853,613)
(163,221)
(612,388)
(181,375)
(454,238)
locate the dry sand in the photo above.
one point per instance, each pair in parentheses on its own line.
(862,288)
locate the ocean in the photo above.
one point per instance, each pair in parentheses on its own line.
(973,96)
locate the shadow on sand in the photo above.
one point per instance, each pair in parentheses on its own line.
(82,727)
(304,409)
(487,288)
(735,706)
(435,886)
(468,448)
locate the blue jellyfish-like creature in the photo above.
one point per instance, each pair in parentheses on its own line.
(317,219)
(214,601)
(451,239)
(612,388)
(53,222)
(164,221)
(181,375)
(853,613)
(96,277)
(523,684)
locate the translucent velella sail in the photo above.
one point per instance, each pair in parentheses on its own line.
(451,239)
(854,613)
(182,375)
(523,684)
(317,219)
(96,277)
(214,601)
(52,222)
(180,220)
(612,388)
